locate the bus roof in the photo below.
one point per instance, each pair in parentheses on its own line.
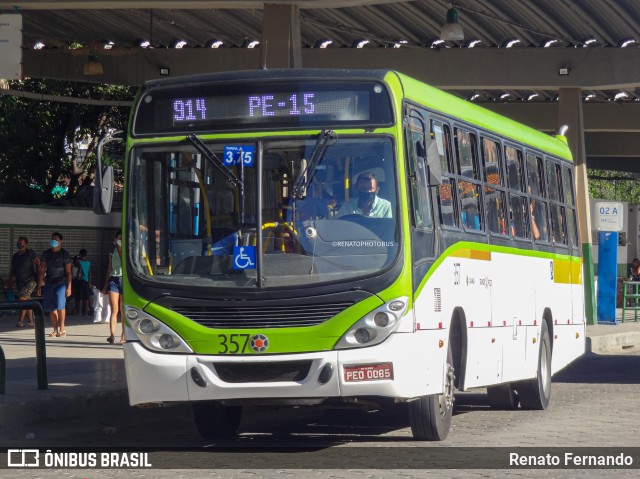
(451,105)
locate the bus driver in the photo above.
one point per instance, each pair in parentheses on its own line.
(368,203)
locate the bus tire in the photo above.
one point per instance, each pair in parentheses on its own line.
(535,393)
(430,416)
(215,421)
(503,397)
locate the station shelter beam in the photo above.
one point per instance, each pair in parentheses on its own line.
(570,114)
(281,45)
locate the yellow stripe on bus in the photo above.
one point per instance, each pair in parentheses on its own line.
(472,254)
(567,271)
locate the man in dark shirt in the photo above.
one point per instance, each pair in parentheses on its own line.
(24,268)
(55,270)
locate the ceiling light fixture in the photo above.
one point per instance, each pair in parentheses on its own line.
(452,31)
(563,71)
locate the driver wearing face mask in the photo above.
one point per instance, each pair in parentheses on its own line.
(367,203)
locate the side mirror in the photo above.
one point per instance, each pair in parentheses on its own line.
(103,190)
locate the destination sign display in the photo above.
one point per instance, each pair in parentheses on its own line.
(276,105)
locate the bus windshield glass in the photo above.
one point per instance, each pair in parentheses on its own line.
(285,212)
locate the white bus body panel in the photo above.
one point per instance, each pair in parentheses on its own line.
(502,299)
(418,369)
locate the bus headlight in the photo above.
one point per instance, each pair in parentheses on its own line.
(154,334)
(376,326)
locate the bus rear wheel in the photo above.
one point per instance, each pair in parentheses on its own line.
(535,393)
(216,421)
(430,416)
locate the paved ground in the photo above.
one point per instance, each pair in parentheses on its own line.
(83,368)
(86,374)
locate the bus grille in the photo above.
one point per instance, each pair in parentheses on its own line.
(269,372)
(262,316)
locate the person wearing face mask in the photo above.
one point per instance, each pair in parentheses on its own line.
(367,203)
(24,268)
(55,274)
(113,285)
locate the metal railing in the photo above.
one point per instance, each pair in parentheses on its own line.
(41,351)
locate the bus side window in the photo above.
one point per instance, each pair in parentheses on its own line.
(447,204)
(567,189)
(555,198)
(538,205)
(494,196)
(518,205)
(469,190)
(415,147)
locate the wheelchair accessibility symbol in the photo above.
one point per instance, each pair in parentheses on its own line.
(244,257)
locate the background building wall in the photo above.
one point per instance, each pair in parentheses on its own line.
(81,228)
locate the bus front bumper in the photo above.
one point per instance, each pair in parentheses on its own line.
(396,368)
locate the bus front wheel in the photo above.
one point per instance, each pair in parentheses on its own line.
(216,421)
(430,416)
(535,393)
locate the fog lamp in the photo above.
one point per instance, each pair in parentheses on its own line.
(362,336)
(166,341)
(381,319)
(146,326)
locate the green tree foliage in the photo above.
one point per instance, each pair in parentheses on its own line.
(39,138)
(614,186)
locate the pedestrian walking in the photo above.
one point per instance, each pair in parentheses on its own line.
(24,268)
(55,275)
(113,286)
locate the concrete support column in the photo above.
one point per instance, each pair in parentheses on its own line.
(281,46)
(570,113)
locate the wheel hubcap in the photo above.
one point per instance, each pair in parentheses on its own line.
(446,398)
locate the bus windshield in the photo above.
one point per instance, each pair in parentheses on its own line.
(286,212)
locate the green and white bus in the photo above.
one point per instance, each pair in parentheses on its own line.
(345,238)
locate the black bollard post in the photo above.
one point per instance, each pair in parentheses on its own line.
(41,351)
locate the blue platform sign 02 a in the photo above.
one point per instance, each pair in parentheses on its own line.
(244,257)
(609,216)
(233,155)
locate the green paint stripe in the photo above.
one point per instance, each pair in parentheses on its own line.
(451,250)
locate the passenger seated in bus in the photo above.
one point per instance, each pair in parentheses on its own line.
(367,203)
(534,226)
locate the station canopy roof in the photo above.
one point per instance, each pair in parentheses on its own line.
(372,24)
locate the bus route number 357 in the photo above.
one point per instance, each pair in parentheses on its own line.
(368,372)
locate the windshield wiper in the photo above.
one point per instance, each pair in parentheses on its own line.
(309,173)
(204,150)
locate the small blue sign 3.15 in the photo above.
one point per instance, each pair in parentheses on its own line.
(233,155)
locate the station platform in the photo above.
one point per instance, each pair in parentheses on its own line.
(86,373)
